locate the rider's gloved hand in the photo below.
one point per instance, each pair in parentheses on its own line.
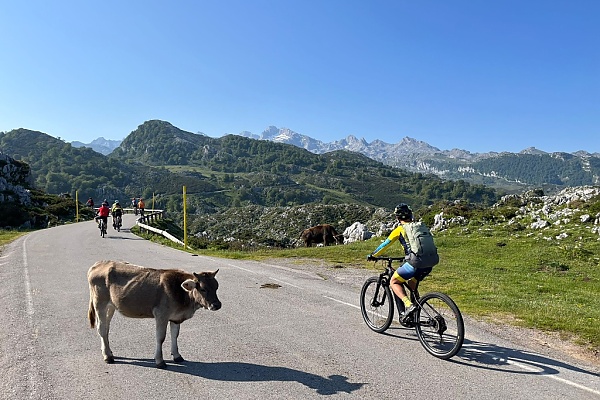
(370,257)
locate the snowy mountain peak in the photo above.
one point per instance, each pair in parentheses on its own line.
(100,145)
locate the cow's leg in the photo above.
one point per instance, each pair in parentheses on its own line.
(174,348)
(110,311)
(161,333)
(104,313)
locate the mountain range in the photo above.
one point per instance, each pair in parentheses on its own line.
(506,170)
(100,145)
(158,159)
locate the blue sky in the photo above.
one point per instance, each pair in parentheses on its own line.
(476,75)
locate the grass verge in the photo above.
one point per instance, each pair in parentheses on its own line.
(7,236)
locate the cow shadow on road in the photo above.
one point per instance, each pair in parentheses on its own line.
(248,372)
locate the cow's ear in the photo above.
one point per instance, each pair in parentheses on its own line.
(188,285)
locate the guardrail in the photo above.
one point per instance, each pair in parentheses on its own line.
(151,216)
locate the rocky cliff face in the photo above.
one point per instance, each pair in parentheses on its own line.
(15,180)
(24,207)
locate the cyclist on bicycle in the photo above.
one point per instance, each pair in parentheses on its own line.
(418,263)
(116,212)
(103,213)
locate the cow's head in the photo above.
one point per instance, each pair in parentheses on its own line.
(204,290)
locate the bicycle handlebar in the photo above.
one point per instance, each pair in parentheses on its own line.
(389,259)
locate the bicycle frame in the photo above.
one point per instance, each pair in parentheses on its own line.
(384,280)
(386,276)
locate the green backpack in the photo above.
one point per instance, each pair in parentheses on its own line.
(420,239)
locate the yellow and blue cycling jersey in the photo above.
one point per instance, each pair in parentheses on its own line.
(397,234)
(405,271)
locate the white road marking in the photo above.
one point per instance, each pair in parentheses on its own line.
(538,372)
(343,302)
(33,370)
(243,269)
(28,295)
(295,271)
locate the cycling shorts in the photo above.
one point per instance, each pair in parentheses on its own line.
(407,271)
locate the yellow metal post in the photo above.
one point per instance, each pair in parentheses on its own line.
(184,219)
(76,206)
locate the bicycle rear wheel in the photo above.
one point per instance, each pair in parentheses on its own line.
(440,327)
(376,305)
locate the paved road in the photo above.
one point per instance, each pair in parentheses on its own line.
(302,339)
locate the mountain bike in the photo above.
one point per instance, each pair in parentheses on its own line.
(118,222)
(102,227)
(437,320)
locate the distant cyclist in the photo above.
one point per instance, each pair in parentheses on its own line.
(117,214)
(103,213)
(90,203)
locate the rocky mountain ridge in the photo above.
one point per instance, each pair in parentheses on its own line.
(418,156)
(406,145)
(530,167)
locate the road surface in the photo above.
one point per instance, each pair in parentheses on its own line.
(282,333)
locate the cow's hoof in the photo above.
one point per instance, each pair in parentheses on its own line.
(161,365)
(178,359)
(109,360)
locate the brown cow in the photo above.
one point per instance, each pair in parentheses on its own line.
(167,295)
(325,234)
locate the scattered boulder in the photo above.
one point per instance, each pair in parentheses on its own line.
(539,224)
(356,232)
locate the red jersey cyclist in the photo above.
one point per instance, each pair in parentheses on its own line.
(103,213)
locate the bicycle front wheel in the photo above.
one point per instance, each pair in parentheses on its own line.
(440,327)
(376,305)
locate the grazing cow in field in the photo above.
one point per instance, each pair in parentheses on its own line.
(167,295)
(325,234)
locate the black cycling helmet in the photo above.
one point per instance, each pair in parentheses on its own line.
(403,212)
(116,201)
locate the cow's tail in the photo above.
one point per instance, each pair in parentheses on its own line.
(92,312)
